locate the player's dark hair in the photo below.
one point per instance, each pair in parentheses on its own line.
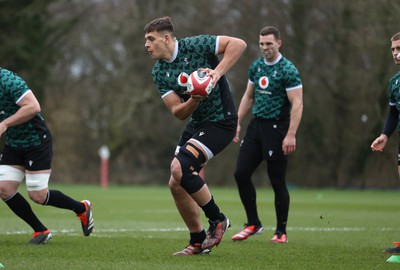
(395,37)
(160,25)
(270,30)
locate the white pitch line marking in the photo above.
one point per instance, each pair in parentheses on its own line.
(100,232)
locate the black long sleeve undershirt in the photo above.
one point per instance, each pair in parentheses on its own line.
(391,121)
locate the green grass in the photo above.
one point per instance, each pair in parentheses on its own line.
(139,228)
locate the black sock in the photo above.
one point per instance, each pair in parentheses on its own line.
(20,206)
(58,199)
(196,238)
(211,211)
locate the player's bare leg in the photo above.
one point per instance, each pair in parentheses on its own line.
(187,207)
(203,196)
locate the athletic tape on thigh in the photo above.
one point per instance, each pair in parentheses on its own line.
(209,154)
(37,181)
(9,173)
(195,154)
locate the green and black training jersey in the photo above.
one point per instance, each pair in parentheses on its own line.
(190,54)
(394,94)
(30,134)
(271,82)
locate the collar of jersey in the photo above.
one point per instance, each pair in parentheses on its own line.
(175,52)
(273,63)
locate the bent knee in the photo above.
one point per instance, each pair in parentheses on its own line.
(38,197)
(173,184)
(8,189)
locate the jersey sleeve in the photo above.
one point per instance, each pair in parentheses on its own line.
(391,93)
(292,78)
(159,82)
(13,85)
(203,44)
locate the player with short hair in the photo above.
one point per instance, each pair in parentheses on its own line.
(212,124)
(393,120)
(27,153)
(274,93)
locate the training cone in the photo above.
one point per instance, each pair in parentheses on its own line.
(394,258)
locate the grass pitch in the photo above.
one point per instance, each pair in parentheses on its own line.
(138,227)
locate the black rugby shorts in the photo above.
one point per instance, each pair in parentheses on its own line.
(214,135)
(33,159)
(264,138)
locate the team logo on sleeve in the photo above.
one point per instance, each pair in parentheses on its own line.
(263,82)
(183,79)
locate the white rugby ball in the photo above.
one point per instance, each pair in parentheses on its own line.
(199,84)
